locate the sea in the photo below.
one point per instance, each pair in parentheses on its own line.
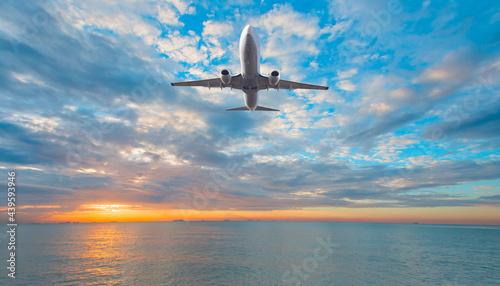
(253,253)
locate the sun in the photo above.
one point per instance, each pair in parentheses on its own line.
(110,208)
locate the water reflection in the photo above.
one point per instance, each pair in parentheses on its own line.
(252,253)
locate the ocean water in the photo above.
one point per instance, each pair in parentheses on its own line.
(254,253)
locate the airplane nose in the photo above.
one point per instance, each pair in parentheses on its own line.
(248,29)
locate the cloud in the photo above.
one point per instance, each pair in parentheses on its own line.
(212,32)
(183,48)
(336,30)
(110,16)
(346,85)
(167,15)
(454,68)
(482,123)
(348,73)
(285,45)
(486,187)
(184,7)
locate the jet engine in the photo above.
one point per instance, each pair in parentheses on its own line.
(225,77)
(274,78)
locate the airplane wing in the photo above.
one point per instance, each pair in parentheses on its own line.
(286,84)
(213,82)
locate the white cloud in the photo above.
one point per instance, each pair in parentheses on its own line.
(325,96)
(183,48)
(28,79)
(38,123)
(337,120)
(455,67)
(440,74)
(153,117)
(111,16)
(278,21)
(212,33)
(167,15)
(216,29)
(347,73)
(183,6)
(336,30)
(378,108)
(346,85)
(403,95)
(288,46)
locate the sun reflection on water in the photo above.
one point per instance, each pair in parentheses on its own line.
(94,255)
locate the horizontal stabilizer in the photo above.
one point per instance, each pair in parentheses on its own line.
(238,108)
(263,108)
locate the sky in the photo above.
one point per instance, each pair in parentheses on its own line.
(408,131)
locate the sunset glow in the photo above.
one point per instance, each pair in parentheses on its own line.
(123,213)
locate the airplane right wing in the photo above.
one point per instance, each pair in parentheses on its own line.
(213,82)
(286,84)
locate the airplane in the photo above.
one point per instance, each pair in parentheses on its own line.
(250,81)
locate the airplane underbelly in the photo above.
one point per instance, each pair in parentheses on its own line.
(249,53)
(251,64)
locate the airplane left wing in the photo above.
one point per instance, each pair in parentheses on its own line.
(286,84)
(213,82)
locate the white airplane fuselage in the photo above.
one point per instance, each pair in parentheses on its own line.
(250,66)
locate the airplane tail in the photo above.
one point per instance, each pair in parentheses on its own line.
(238,108)
(263,108)
(260,108)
